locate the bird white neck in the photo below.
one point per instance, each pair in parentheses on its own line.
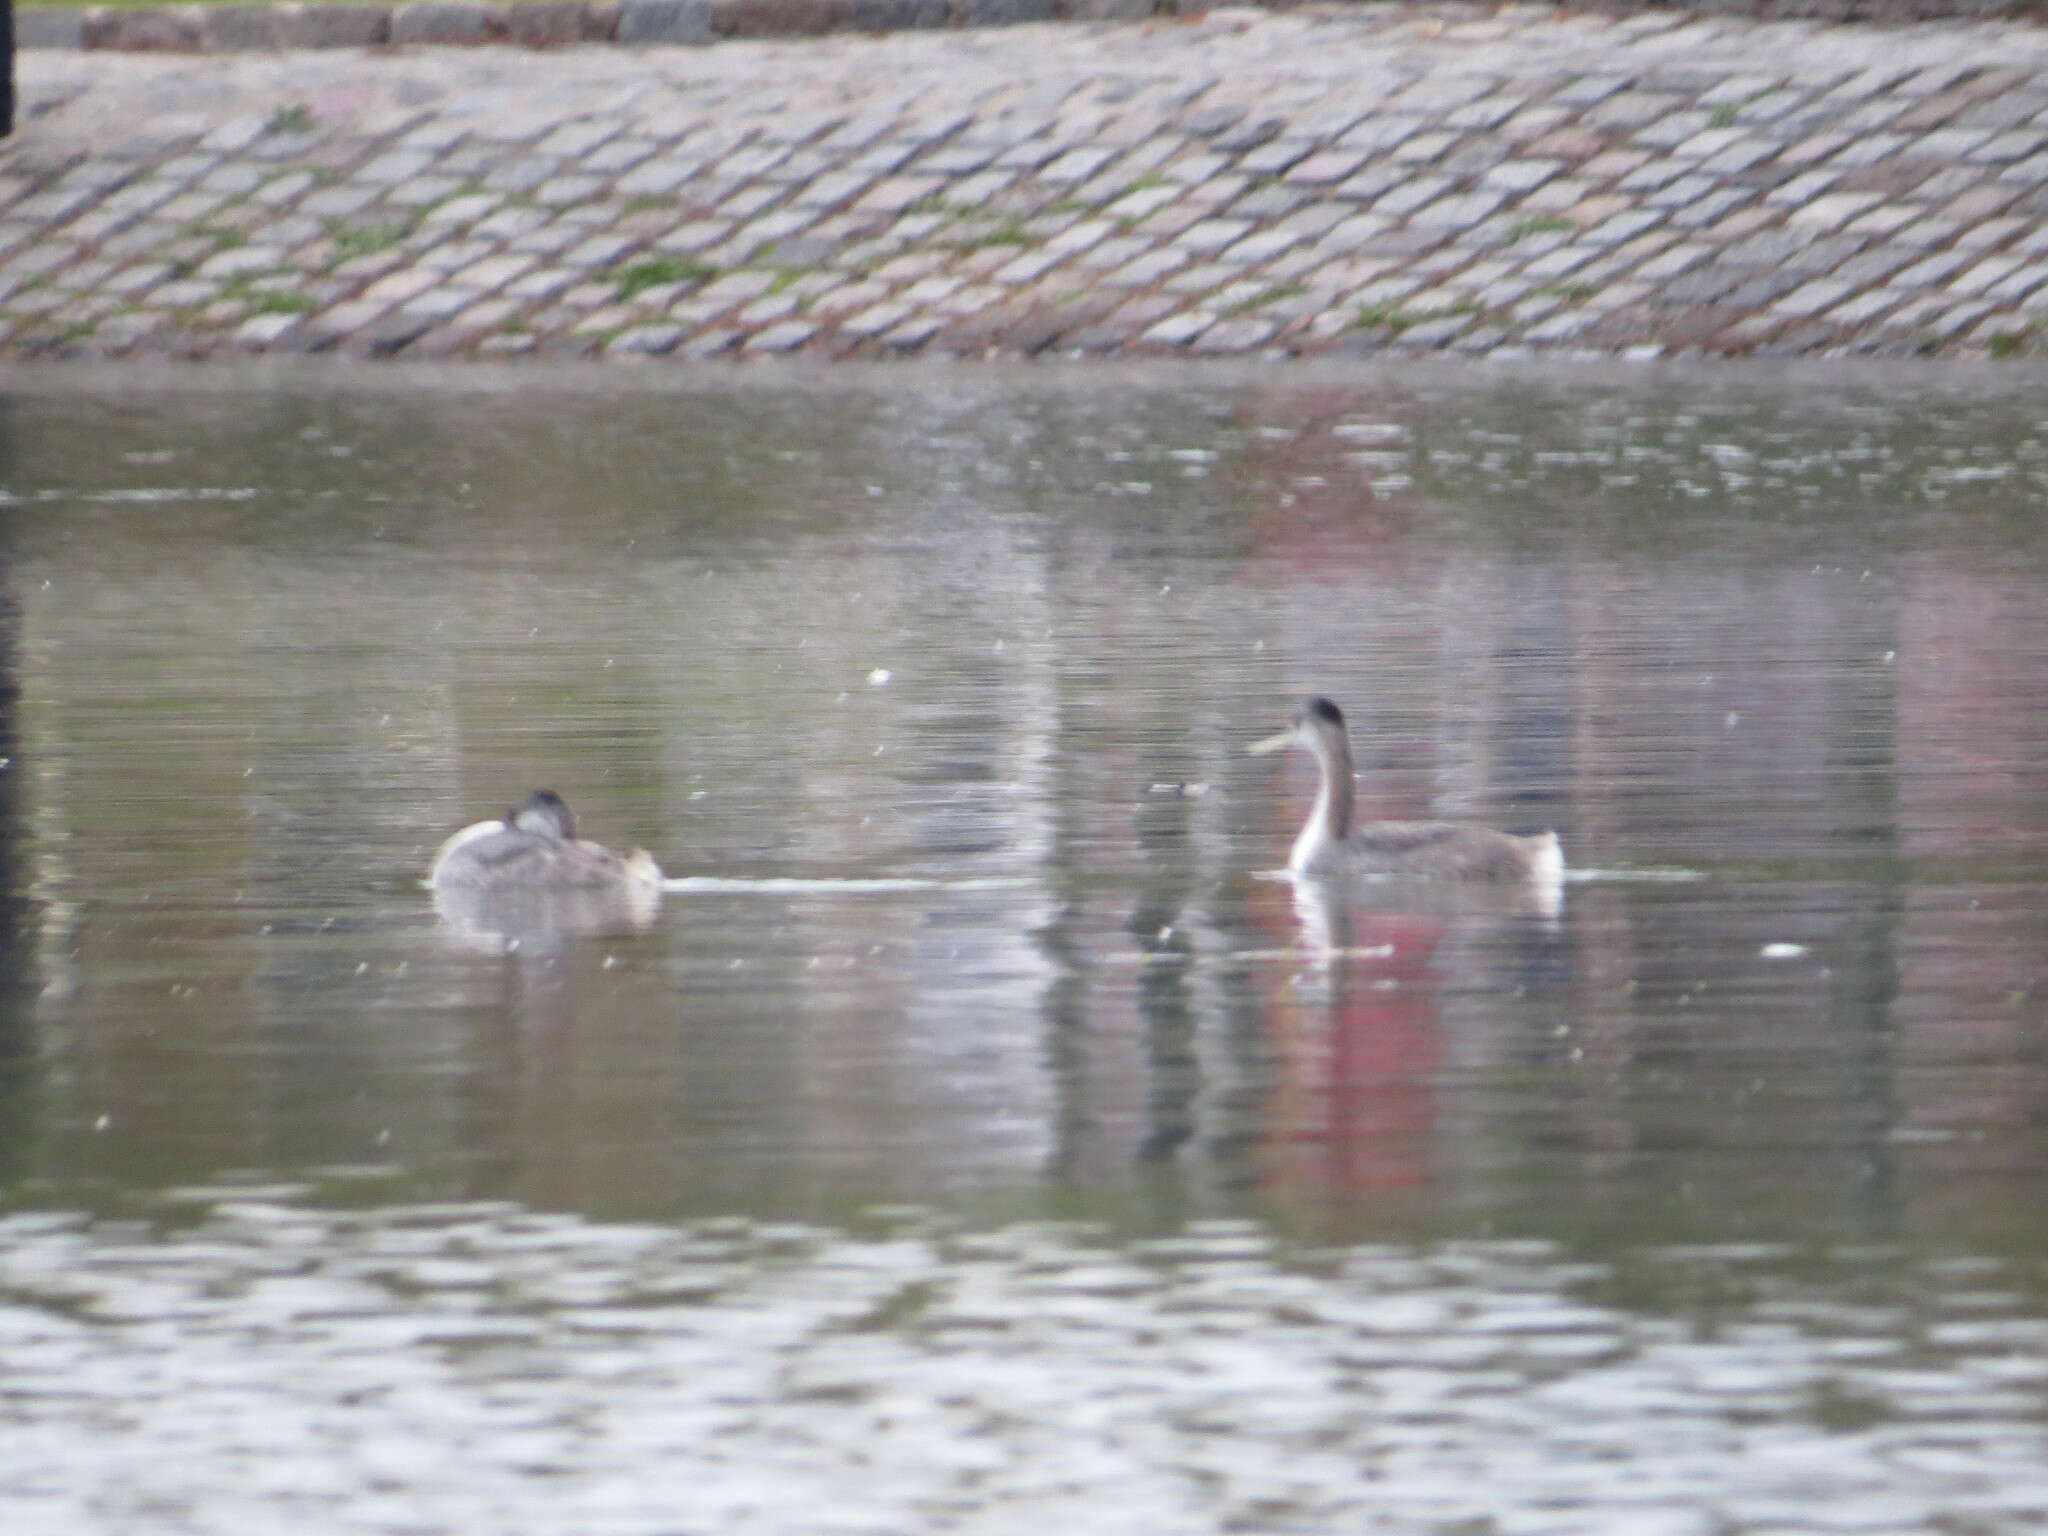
(1329,820)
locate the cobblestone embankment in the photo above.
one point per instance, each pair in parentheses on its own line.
(1355,180)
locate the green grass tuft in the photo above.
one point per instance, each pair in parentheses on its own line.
(1272,295)
(2004,344)
(1373,317)
(1010,231)
(648,272)
(285,304)
(351,241)
(936,206)
(1540,224)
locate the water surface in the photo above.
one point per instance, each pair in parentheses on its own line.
(975,993)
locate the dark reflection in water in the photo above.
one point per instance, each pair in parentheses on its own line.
(933,690)
(17,916)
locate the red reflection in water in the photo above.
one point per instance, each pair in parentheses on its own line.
(1358,1044)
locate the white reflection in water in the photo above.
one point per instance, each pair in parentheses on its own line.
(140,495)
(544,916)
(770,885)
(476,1367)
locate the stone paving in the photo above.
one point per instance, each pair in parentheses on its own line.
(1358,179)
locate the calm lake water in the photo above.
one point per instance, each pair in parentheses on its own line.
(980,1133)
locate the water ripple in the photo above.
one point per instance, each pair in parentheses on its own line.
(479,1367)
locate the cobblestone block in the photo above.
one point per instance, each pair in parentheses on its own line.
(398,287)
(2006,148)
(1106,9)
(543,285)
(1932,270)
(241,262)
(424,191)
(910,334)
(567,191)
(648,340)
(1459,211)
(1522,175)
(899,15)
(265,331)
(548,23)
(2025,281)
(710,343)
(1486,113)
(1870,149)
(1621,226)
(1978,203)
(1739,156)
(1991,233)
(441,303)
(1178,330)
(1263,246)
(241,28)
(1199,279)
(59,206)
(1986,274)
(142,31)
(1926,234)
(1863,308)
(334,26)
(1814,297)
(131,281)
(1142,204)
(346,319)
(1276,157)
(779,18)
(1701,212)
(442,22)
(1001,13)
(1205,198)
(1150,268)
(1113,253)
(1421,148)
(1076,165)
(1213,235)
(1950,143)
(38,28)
(1560,262)
(1953,321)
(1249,134)
(1242,334)
(785,337)
(674,22)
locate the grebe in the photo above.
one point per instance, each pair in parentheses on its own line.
(1330,845)
(535,848)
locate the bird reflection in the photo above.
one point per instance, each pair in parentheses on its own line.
(541,919)
(1360,1031)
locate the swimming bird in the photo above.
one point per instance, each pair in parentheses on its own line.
(1330,845)
(536,849)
